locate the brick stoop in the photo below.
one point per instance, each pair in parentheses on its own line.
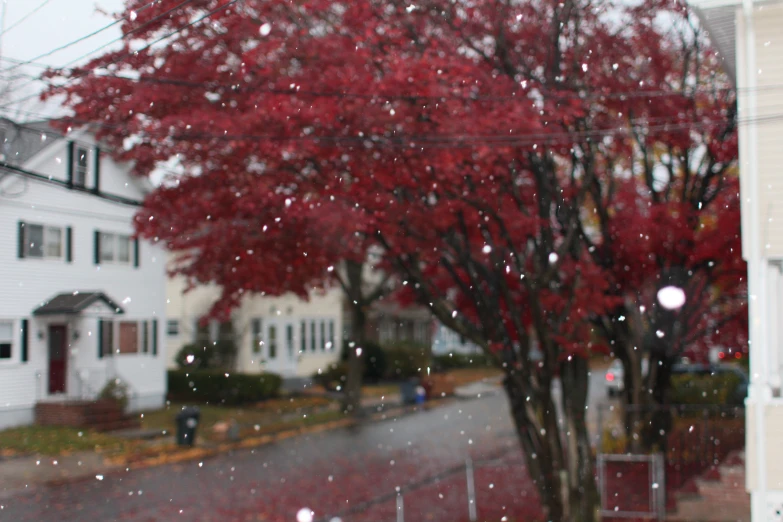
(721,495)
(100,415)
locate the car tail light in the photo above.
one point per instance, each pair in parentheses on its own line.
(610,377)
(737,355)
(721,355)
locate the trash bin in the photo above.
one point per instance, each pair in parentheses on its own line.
(187,422)
(408,391)
(421,394)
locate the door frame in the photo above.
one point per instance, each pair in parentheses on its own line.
(285,362)
(64,328)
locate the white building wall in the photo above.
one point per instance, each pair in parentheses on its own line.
(26,283)
(446,341)
(278,312)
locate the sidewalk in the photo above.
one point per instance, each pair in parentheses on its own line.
(24,473)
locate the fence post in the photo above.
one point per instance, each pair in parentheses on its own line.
(400,511)
(471,490)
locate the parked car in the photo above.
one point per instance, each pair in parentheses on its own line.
(615,377)
(735,397)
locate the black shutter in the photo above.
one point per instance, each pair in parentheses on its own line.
(70,164)
(68,248)
(21,240)
(145,340)
(97,252)
(154,337)
(97,187)
(100,339)
(136,252)
(25,340)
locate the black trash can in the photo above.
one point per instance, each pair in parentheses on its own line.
(187,422)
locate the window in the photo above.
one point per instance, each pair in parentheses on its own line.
(420,332)
(129,337)
(312,336)
(80,167)
(115,248)
(303,340)
(330,344)
(42,241)
(145,337)
(272,341)
(323,336)
(258,336)
(289,340)
(387,332)
(6,339)
(172,328)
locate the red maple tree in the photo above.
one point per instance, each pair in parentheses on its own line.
(464,144)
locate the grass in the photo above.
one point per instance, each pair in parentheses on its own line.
(380,390)
(56,440)
(248,417)
(463,376)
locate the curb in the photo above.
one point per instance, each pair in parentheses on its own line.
(264,440)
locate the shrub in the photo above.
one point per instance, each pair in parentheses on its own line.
(405,361)
(451,361)
(333,376)
(217,387)
(720,388)
(196,356)
(375,363)
(116,390)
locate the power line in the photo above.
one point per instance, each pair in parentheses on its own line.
(32,61)
(125,55)
(25,17)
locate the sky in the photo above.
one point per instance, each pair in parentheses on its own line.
(52,23)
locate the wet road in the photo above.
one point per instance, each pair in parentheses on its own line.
(330,473)
(350,473)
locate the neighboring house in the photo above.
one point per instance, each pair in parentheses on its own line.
(284,335)
(446,341)
(83,302)
(388,324)
(749,36)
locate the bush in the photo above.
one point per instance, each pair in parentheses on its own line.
(116,390)
(333,376)
(451,361)
(404,362)
(216,387)
(721,388)
(374,360)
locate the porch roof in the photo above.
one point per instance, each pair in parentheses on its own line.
(74,303)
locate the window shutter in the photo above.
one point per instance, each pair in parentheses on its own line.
(68,241)
(70,164)
(154,337)
(25,340)
(145,340)
(97,187)
(136,252)
(21,240)
(97,247)
(100,339)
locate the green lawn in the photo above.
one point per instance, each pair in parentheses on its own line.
(55,440)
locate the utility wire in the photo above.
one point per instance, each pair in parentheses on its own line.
(130,53)
(33,61)
(25,17)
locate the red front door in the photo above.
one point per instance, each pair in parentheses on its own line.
(58,359)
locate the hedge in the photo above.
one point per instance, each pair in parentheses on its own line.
(705,389)
(450,361)
(218,387)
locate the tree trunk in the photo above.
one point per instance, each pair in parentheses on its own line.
(560,464)
(352,393)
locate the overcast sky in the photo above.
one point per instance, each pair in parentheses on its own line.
(56,23)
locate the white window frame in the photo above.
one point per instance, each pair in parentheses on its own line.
(10,340)
(113,238)
(175,324)
(48,231)
(80,172)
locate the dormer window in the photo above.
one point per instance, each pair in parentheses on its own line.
(80,167)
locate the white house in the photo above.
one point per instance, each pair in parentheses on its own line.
(446,341)
(749,35)
(83,302)
(284,335)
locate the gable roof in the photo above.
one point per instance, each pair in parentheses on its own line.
(23,141)
(75,303)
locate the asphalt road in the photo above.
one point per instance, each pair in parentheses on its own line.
(353,474)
